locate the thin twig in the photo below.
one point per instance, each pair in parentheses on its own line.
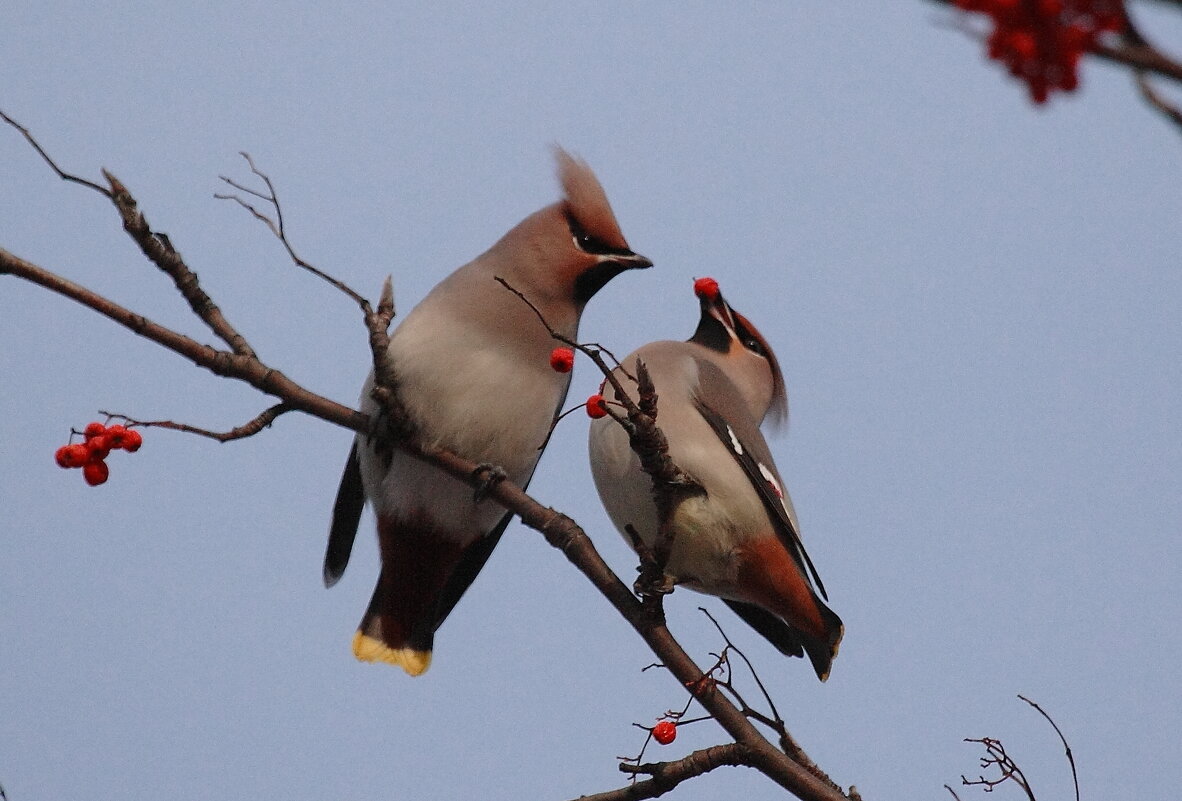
(1157,100)
(996,756)
(248,429)
(1066,747)
(65,176)
(277,228)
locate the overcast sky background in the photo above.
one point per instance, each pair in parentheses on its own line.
(975,302)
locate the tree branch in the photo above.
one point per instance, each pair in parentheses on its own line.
(667,775)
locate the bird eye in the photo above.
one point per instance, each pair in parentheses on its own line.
(585,241)
(750,341)
(755,346)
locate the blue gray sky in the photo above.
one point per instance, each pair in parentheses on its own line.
(975,302)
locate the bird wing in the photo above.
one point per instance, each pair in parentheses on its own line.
(346,514)
(749,449)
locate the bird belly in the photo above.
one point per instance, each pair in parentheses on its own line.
(708,530)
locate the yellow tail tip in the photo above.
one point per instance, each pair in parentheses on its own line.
(367,649)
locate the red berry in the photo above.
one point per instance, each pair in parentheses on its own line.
(99,447)
(665,732)
(95,472)
(596,407)
(79,454)
(71,455)
(706,288)
(562,360)
(1022,45)
(93,430)
(116,435)
(132,440)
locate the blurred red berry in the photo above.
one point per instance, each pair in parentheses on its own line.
(116,435)
(95,472)
(132,440)
(596,407)
(93,430)
(99,447)
(71,455)
(665,732)
(706,288)
(1023,45)
(562,360)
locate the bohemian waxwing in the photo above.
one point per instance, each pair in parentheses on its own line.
(740,540)
(473,373)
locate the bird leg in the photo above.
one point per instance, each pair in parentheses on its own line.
(652,581)
(492,475)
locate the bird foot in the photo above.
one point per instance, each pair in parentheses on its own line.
(490,475)
(652,583)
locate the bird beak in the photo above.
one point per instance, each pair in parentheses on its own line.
(631,261)
(716,306)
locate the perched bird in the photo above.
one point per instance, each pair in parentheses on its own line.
(473,373)
(740,539)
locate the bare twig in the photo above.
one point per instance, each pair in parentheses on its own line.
(1066,747)
(65,176)
(248,429)
(667,775)
(996,756)
(277,227)
(1157,100)
(949,789)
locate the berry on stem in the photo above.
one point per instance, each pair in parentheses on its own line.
(665,732)
(95,472)
(74,455)
(596,407)
(132,440)
(99,447)
(93,430)
(562,360)
(116,435)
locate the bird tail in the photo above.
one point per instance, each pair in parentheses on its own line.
(399,626)
(823,650)
(790,640)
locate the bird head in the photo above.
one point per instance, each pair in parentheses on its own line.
(569,250)
(741,352)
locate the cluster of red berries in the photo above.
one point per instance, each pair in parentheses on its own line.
(1041,41)
(97,443)
(665,732)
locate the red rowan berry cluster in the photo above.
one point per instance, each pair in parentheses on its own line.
(97,443)
(1041,41)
